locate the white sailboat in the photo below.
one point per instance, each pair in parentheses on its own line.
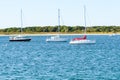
(113,34)
(82,40)
(19,37)
(57,38)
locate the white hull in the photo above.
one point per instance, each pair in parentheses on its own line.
(56,39)
(112,34)
(82,42)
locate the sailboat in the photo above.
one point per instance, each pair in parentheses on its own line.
(112,34)
(57,37)
(19,37)
(82,40)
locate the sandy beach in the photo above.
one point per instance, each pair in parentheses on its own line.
(56,34)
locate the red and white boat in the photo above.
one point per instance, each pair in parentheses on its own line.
(82,40)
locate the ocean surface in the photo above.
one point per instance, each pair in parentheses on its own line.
(41,60)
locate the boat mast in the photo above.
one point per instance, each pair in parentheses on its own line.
(85,18)
(58,20)
(21,22)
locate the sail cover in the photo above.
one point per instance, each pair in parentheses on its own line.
(82,38)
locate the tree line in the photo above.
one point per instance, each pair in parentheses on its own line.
(63,29)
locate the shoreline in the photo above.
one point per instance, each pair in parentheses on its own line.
(59,34)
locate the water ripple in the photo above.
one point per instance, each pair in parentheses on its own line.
(40,60)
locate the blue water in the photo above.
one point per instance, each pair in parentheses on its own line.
(40,60)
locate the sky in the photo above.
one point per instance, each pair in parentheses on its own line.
(45,12)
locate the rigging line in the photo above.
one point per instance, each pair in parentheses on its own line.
(62,20)
(21,21)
